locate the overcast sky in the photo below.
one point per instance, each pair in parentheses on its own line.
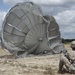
(62,10)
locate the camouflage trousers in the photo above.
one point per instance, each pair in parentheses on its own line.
(64,64)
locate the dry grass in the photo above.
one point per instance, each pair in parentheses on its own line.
(38,65)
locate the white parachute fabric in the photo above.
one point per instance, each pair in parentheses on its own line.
(26,31)
(54,38)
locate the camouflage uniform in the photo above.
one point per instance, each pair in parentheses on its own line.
(73,45)
(67,62)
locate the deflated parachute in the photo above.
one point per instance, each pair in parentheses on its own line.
(26,31)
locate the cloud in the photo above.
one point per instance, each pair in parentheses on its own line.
(50,2)
(2,16)
(45,2)
(66,21)
(12,1)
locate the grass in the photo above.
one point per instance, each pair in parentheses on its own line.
(5,62)
(50,71)
(67,43)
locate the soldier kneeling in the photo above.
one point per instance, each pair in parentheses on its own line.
(67,62)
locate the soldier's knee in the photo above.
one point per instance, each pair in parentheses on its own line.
(62,59)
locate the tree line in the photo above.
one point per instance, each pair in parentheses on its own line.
(67,40)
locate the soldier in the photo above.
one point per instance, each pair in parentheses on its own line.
(73,45)
(67,62)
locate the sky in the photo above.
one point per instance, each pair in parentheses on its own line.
(62,10)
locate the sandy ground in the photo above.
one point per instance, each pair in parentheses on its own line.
(38,65)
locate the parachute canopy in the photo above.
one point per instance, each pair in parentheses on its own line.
(26,30)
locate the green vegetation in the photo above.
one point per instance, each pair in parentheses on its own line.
(67,41)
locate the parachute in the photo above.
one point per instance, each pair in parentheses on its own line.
(26,30)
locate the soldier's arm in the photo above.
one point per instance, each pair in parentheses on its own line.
(67,56)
